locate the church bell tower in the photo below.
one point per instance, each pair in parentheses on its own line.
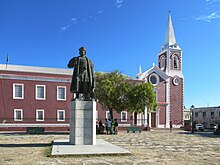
(170,55)
(170,61)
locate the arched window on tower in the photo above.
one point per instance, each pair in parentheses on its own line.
(175,62)
(162,63)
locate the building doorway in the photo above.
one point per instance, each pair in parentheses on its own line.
(153,119)
(135,118)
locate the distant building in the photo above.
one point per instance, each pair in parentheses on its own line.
(207,116)
(187,118)
(186,114)
(168,80)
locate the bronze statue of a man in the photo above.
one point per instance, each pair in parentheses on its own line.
(83,76)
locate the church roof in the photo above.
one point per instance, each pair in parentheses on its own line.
(170,36)
(154,69)
(170,39)
(35,69)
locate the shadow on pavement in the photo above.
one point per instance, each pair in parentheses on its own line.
(203,134)
(26,145)
(24,133)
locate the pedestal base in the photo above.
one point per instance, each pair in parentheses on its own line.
(62,147)
(83,123)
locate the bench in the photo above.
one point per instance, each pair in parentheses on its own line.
(35,130)
(134,129)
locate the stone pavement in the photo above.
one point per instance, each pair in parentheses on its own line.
(154,147)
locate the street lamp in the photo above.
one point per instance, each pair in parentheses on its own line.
(192,118)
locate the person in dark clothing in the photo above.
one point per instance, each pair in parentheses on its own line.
(101,127)
(116,127)
(106,126)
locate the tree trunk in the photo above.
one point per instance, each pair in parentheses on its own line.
(111,113)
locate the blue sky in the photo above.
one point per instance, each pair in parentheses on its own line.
(118,34)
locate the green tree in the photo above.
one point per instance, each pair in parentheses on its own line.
(112,91)
(115,92)
(142,95)
(192,107)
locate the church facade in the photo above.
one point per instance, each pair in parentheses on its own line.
(168,80)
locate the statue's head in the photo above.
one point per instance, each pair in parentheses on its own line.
(82,51)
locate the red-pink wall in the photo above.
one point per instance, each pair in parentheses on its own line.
(176,102)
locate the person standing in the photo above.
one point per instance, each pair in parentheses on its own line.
(106,126)
(171,126)
(112,127)
(109,126)
(101,128)
(116,127)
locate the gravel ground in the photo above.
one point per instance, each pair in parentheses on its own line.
(154,147)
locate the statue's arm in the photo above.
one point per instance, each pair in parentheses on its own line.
(72,63)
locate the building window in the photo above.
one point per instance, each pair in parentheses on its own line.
(18,115)
(123,116)
(61,93)
(107,115)
(40,115)
(97,116)
(175,62)
(18,91)
(196,114)
(162,62)
(40,92)
(212,115)
(154,79)
(60,115)
(204,114)
(187,116)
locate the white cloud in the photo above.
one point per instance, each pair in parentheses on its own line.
(100,12)
(118,3)
(118,6)
(93,17)
(209,17)
(74,20)
(212,1)
(64,27)
(84,20)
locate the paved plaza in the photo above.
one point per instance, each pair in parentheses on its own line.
(154,147)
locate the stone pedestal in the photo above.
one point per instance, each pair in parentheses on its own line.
(83,123)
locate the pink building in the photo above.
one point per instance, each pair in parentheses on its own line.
(39,97)
(34,95)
